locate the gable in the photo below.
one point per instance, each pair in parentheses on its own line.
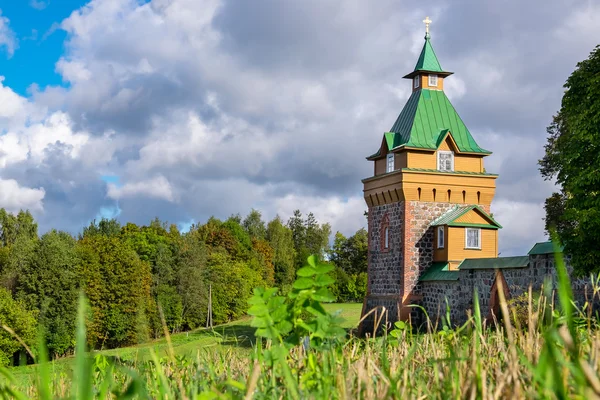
(473,216)
(467,216)
(446,142)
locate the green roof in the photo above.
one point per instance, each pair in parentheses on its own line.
(450,217)
(439,271)
(427,60)
(495,263)
(425,121)
(543,248)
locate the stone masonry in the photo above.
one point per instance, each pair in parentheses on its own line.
(394,272)
(459,293)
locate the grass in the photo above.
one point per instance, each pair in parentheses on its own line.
(236,336)
(551,350)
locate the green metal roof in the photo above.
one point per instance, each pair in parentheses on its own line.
(543,248)
(495,263)
(426,119)
(449,217)
(427,60)
(439,271)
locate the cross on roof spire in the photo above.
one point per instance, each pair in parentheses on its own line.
(427,21)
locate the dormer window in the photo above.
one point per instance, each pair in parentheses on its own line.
(433,80)
(445,161)
(390,162)
(416,80)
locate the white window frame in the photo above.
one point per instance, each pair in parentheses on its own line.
(386,240)
(478,247)
(441,237)
(451,160)
(390,159)
(416,81)
(433,80)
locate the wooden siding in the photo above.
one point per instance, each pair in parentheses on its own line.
(440,254)
(473,217)
(421,159)
(468,163)
(405,185)
(428,160)
(456,244)
(380,166)
(401,160)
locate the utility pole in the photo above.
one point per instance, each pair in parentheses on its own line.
(209,318)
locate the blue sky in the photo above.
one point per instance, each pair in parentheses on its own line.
(184,109)
(40,43)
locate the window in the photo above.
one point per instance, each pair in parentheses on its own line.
(440,237)
(386,240)
(473,238)
(390,162)
(433,80)
(445,161)
(416,80)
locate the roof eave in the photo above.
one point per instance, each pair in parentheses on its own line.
(426,71)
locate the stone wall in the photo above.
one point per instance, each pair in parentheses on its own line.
(418,250)
(384,265)
(460,292)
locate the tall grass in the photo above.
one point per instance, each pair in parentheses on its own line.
(552,353)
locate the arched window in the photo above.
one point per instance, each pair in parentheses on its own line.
(449,194)
(478,197)
(433,194)
(464,196)
(385,239)
(419,193)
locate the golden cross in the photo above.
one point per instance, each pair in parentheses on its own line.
(427,21)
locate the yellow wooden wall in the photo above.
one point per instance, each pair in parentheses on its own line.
(425,83)
(456,244)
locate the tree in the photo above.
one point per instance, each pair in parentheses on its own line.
(572,158)
(254,225)
(14,315)
(50,285)
(117,284)
(309,237)
(281,240)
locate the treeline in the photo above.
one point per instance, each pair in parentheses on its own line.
(136,276)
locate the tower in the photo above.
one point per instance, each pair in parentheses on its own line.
(429,197)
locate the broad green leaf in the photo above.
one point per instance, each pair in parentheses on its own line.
(306,271)
(324,268)
(303,283)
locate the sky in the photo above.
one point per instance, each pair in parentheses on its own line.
(184,109)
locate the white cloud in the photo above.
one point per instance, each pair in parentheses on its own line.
(219,106)
(158,187)
(14,197)
(8,39)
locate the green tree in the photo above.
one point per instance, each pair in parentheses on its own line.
(254,225)
(281,240)
(350,254)
(50,285)
(117,284)
(14,315)
(571,157)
